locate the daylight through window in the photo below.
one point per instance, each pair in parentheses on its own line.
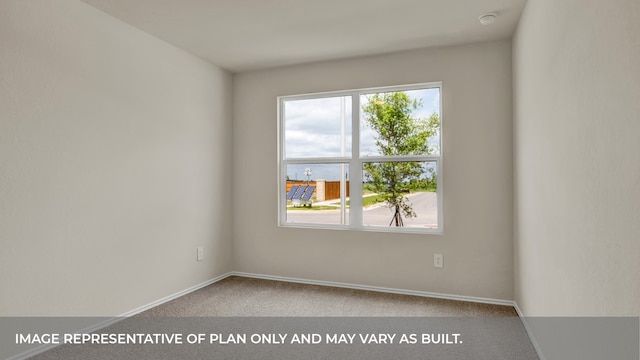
(364,159)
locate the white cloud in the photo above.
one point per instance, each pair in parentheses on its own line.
(313,126)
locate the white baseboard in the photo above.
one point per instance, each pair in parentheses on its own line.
(529,332)
(405,292)
(111,321)
(174,296)
(377,289)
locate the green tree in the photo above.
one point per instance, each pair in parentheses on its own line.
(399,132)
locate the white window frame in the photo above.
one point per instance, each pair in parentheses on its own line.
(355,162)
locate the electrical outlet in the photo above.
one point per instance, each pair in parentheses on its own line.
(438,261)
(200,253)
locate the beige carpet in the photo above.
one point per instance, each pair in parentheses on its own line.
(240,296)
(271,311)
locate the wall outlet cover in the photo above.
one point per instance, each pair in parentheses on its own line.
(438,261)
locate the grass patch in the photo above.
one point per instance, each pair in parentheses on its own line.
(370,200)
(426,189)
(367,201)
(313,207)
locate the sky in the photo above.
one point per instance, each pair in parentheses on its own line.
(313,128)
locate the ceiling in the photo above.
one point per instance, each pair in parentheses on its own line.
(244,35)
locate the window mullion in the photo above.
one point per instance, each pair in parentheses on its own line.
(401,158)
(282,174)
(334,160)
(355,166)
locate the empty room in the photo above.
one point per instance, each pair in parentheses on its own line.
(319,179)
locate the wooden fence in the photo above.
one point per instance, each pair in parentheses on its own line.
(332,190)
(325,190)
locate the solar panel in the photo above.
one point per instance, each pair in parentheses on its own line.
(292,191)
(308,192)
(298,194)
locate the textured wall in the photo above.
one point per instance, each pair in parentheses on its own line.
(477,244)
(577,162)
(114,163)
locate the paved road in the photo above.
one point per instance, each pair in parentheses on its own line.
(425,205)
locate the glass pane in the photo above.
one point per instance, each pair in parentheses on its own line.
(400,194)
(315,194)
(400,123)
(317,127)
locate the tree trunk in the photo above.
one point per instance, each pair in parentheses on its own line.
(397,217)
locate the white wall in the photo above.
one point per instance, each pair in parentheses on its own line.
(477,131)
(114,163)
(577,158)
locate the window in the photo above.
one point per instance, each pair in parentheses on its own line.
(366,159)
